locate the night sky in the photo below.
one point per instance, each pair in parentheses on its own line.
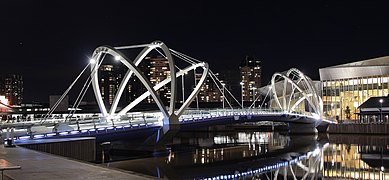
(49,42)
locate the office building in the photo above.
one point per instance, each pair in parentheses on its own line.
(135,87)
(11,86)
(345,87)
(159,71)
(250,72)
(110,79)
(156,69)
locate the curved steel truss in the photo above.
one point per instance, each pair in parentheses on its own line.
(295,90)
(168,114)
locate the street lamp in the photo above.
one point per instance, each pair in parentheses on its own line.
(223,84)
(183,88)
(382,159)
(241,84)
(254,88)
(92,61)
(381,101)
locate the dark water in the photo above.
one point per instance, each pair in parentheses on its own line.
(252,154)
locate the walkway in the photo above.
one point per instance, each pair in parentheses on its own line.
(42,166)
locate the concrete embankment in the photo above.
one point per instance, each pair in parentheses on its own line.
(361,139)
(359,129)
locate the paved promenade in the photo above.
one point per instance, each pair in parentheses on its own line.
(42,166)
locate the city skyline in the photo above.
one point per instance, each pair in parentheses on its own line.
(50,42)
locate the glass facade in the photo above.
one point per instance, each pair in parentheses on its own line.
(341,97)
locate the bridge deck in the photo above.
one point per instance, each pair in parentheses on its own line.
(42,166)
(146,120)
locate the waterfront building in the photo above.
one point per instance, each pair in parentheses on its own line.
(374,110)
(347,86)
(250,73)
(11,86)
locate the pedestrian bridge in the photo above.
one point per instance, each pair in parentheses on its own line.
(291,97)
(145,120)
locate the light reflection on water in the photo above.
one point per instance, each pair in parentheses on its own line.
(356,161)
(260,155)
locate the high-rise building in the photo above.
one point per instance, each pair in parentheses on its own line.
(11,86)
(156,69)
(159,70)
(250,72)
(110,79)
(135,87)
(209,91)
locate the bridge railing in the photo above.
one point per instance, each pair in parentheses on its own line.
(192,113)
(146,117)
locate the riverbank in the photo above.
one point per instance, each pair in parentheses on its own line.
(373,129)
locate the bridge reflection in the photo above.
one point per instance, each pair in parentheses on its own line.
(226,155)
(262,155)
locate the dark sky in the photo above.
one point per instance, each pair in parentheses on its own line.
(49,41)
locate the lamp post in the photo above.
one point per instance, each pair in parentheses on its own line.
(241,84)
(254,88)
(183,89)
(223,84)
(382,159)
(381,101)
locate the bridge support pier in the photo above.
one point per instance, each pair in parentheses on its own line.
(10,134)
(323,127)
(163,136)
(171,123)
(302,128)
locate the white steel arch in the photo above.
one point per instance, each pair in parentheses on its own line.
(166,81)
(168,115)
(300,83)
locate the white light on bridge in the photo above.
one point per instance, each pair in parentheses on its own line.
(74,132)
(84,131)
(64,133)
(51,134)
(117,58)
(92,61)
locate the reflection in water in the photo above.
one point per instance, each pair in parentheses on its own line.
(226,155)
(356,161)
(263,155)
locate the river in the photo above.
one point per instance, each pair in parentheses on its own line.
(229,153)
